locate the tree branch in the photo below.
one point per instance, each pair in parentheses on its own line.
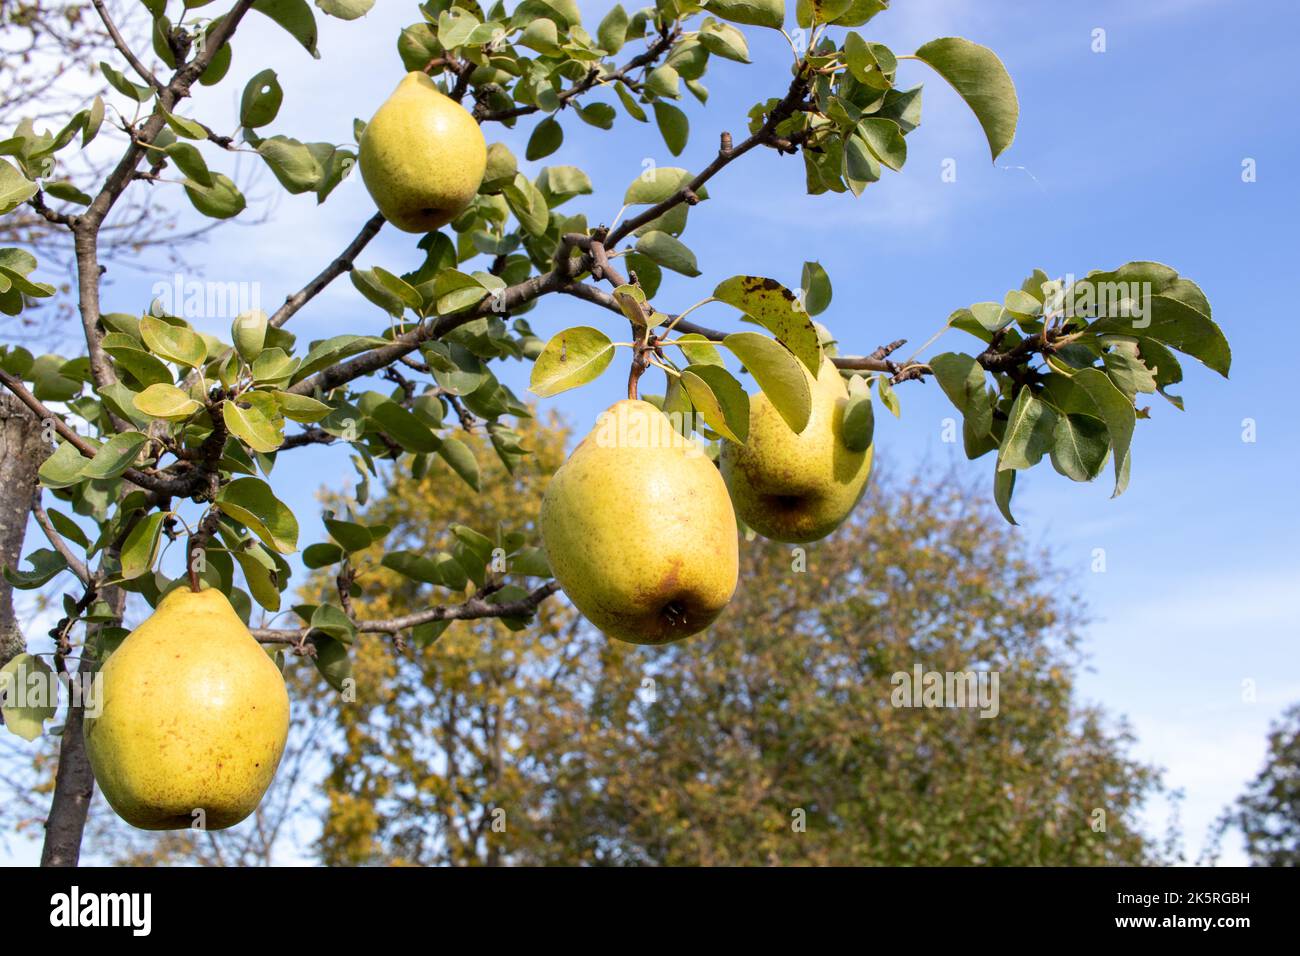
(593,78)
(87,224)
(170,485)
(475,608)
(122,47)
(727,154)
(77,566)
(342,264)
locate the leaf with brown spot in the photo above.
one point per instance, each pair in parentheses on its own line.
(777,309)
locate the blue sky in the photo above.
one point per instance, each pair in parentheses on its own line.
(1131,153)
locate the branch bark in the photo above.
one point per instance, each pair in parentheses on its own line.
(475,608)
(21,453)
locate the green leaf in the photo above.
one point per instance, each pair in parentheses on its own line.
(404,428)
(45,565)
(758,13)
(115,456)
(1113,409)
(68,193)
(94,120)
(528,204)
(175,343)
(673,125)
(656,184)
(68,528)
(140,550)
(698,349)
(346,9)
(300,408)
(414,566)
(530,562)
(724,40)
(720,399)
(979,77)
(776,308)
(29,681)
(261,573)
(559,184)
(599,115)
(166,402)
(321,555)
(545,139)
(859,424)
(1127,370)
(63,468)
(251,502)
(461,460)
(128,354)
(860,166)
(261,100)
(251,425)
(885,139)
(888,397)
(777,372)
(292,164)
(633,108)
(184,126)
(332,660)
(809,12)
(669,252)
(222,200)
(455,27)
(501,168)
(990,315)
(1028,436)
(1004,483)
(296,17)
(248,332)
(1080,444)
(370,285)
(612,32)
(480,545)
(1178,326)
(350,535)
(124,86)
(540,35)
(816,285)
(190,161)
(15,188)
(571,358)
(333,350)
(961,377)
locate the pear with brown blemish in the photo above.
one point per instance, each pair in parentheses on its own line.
(422,156)
(797,487)
(639,530)
(192,716)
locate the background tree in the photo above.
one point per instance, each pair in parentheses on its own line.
(698,752)
(168,434)
(1268,813)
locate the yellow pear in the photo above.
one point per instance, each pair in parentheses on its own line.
(797,487)
(639,530)
(193,716)
(422,156)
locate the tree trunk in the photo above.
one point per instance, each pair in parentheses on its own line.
(74,785)
(21,453)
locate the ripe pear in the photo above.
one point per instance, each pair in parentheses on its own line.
(194,716)
(422,156)
(797,487)
(639,530)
